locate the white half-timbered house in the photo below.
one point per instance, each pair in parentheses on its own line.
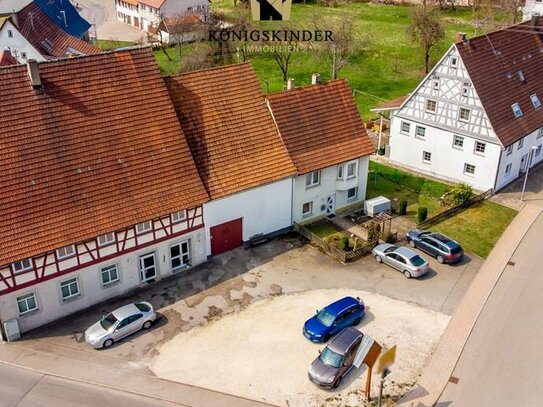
(476,118)
(326,139)
(98,196)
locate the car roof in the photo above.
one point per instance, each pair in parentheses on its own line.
(126,311)
(345,338)
(444,239)
(406,252)
(338,306)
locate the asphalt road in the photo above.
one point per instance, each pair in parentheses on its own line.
(500,364)
(25,388)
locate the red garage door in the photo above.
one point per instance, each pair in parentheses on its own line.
(226,236)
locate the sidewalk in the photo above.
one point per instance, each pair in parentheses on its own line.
(438,371)
(114,378)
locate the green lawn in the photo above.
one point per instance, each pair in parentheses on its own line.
(323,228)
(479,227)
(112,44)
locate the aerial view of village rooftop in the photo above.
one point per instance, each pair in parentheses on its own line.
(271,203)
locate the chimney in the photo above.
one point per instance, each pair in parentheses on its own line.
(34,73)
(15,19)
(533,23)
(290,84)
(461,38)
(315,79)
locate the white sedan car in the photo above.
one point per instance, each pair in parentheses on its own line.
(120,323)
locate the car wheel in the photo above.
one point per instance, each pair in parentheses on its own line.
(108,343)
(412,243)
(407,274)
(326,338)
(338,382)
(440,259)
(378,258)
(147,325)
(357,321)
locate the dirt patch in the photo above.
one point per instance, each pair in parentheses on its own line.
(275,290)
(222,289)
(213,312)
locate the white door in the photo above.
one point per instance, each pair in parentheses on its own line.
(144,24)
(180,256)
(331,204)
(524,163)
(147,267)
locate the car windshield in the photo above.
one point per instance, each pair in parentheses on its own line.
(417,261)
(325,317)
(391,249)
(108,321)
(331,358)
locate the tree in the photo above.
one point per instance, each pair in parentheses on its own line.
(283,51)
(426,30)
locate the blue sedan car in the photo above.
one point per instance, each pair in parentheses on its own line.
(443,248)
(333,318)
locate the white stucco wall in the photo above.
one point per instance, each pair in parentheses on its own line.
(48,294)
(264,209)
(173,8)
(329,184)
(131,11)
(18,44)
(532,8)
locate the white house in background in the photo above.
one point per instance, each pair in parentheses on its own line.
(326,139)
(85,218)
(147,14)
(532,8)
(238,152)
(476,118)
(179,30)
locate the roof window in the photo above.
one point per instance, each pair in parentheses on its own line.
(535,101)
(516,110)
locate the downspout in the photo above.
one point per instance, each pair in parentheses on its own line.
(498,170)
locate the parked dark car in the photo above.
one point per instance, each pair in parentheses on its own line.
(330,320)
(443,248)
(336,360)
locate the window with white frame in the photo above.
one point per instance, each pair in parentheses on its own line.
(535,101)
(109,274)
(426,157)
(431,106)
(179,216)
(480,147)
(143,227)
(465,89)
(540,132)
(435,84)
(508,169)
(538,151)
(307,208)
(458,142)
(352,193)
(313,178)
(104,240)
(454,62)
(520,144)
(340,171)
(464,114)
(405,128)
(351,170)
(27,303)
(517,111)
(69,288)
(20,266)
(469,169)
(65,252)
(180,256)
(420,131)
(509,150)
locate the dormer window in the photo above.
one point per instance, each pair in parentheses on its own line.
(535,101)
(516,110)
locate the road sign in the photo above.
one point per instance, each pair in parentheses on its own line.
(362,351)
(387,359)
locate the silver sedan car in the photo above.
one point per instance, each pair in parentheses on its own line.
(401,258)
(120,323)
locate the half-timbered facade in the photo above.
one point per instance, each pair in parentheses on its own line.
(326,139)
(97,196)
(476,116)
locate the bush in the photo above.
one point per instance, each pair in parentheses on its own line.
(402,210)
(344,243)
(422,213)
(461,193)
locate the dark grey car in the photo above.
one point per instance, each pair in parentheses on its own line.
(336,360)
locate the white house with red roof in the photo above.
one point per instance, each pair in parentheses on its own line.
(476,118)
(98,196)
(326,139)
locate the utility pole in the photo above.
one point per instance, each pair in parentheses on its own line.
(384,374)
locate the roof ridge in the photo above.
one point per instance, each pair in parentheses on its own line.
(213,68)
(311,87)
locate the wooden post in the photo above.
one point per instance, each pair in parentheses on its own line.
(368,385)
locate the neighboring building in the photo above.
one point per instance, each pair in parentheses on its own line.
(148,14)
(326,139)
(6,58)
(532,8)
(476,118)
(30,34)
(65,16)
(238,151)
(180,30)
(98,196)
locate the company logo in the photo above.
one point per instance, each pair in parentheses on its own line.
(264,10)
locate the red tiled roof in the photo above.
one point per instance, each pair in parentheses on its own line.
(7,59)
(48,38)
(493,62)
(153,3)
(230,131)
(179,25)
(390,104)
(320,125)
(98,150)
